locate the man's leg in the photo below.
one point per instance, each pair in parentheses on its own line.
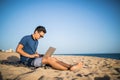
(77,66)
(71,67)
(53,62)
(64,64)
(59,64)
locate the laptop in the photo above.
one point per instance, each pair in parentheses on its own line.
(49,52)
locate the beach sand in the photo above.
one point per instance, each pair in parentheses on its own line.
(94,68)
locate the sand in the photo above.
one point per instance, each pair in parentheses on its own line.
(94,68)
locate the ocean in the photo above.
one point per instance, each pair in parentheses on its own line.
(105,55)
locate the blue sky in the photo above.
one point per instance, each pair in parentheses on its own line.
(73,26)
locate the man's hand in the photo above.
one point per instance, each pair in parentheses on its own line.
(34,55)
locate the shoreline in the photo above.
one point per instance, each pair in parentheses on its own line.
(107,55)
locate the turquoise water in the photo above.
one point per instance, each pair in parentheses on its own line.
(105,55)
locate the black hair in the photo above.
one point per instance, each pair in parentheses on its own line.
(40,28)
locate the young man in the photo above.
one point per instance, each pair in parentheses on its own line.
(28,55)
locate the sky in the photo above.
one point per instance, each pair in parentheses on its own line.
(73,26)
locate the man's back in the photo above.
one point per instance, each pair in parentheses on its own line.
(29,45)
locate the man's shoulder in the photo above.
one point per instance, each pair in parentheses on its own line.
(27,36)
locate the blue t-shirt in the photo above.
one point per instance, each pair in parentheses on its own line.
(30,46)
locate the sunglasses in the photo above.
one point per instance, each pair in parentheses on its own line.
(41,36)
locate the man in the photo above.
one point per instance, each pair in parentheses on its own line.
(28,55)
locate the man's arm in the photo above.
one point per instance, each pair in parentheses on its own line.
(19,49)
(40,55)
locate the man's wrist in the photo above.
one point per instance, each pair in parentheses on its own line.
(31,56)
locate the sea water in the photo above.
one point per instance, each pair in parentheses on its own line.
(103,55)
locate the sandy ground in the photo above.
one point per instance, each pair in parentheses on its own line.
(94,68)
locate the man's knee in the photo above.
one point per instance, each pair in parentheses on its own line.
(46,60)
(52,59)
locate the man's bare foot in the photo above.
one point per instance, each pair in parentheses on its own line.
(76,67)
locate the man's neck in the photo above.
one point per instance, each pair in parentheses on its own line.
(33,36)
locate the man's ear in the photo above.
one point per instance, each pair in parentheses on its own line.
(36,32)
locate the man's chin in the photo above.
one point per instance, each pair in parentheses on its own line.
(38,38)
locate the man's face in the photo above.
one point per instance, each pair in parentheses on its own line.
(39,35)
